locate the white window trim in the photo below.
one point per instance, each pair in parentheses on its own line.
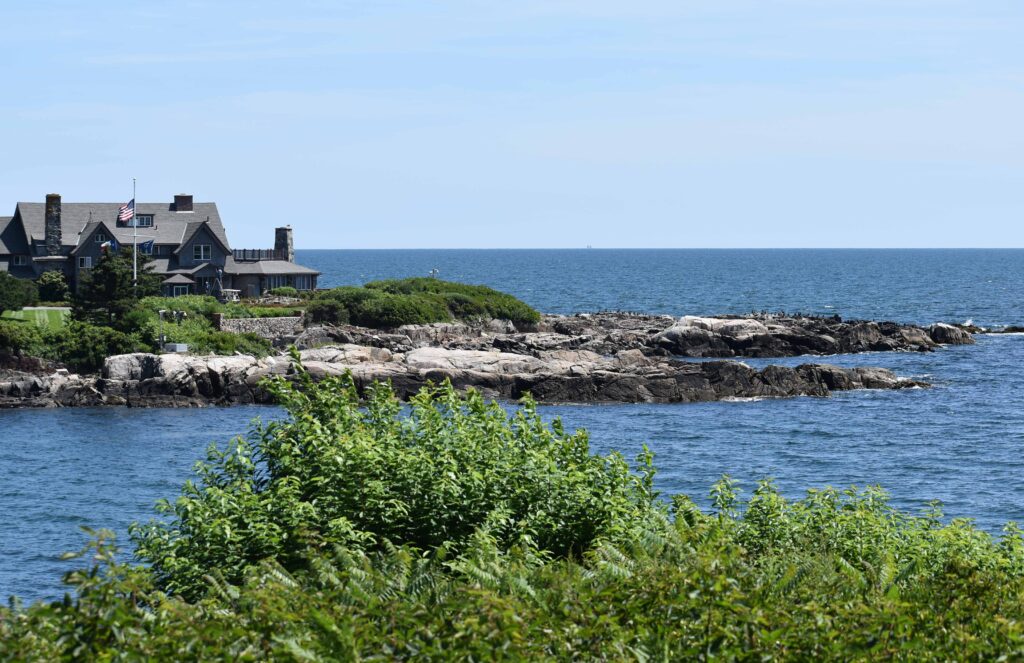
(19,261)
(143,220)
(198,252)
(84,262)
(99,238)
(179,290)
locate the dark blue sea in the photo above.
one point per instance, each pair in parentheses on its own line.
(961,442)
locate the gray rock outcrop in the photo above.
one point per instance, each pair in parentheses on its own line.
(606,357)
(145,380)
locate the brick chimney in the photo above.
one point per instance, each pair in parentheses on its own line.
(183,202)
(283,245)
(53,233)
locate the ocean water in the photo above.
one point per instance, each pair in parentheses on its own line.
(961,442)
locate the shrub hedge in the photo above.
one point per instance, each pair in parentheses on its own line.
(388,304)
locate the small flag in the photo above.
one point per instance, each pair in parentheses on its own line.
(146,248)
(111,246)
(126,212)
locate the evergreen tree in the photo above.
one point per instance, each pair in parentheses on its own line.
(106,293)
(53,287)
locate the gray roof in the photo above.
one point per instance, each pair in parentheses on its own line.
(160,265)
(178,279)
(265,267)
(193,227)
(11,239)
(169,227)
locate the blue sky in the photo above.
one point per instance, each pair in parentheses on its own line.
(554,123)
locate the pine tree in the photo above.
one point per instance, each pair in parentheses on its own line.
(106,292)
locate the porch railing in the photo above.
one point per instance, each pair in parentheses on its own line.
(255,255)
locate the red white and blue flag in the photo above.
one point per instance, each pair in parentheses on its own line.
(126,212)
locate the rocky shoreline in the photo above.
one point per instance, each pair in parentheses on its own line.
(592,358)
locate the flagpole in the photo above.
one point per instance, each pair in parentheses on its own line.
(135,244)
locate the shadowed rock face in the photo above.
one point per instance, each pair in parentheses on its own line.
(146,380)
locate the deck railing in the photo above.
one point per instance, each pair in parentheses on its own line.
(255,255)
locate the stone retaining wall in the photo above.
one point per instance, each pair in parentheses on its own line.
(269,328)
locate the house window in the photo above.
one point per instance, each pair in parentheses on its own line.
(201,252)
(84,262)
(143,220)
(302,283)
(99,238)
(180,290)
(20,261)
(276,282)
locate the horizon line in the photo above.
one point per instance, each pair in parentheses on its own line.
(675,248)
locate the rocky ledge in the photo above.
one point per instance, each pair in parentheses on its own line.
(145,380)
(761,335)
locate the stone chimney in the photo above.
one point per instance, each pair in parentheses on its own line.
(183,202)
(283,244)
(53,234)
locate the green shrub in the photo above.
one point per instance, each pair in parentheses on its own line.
(327,312)
(83,346)
(284,291)
(18,337)
(389,311)
(227,343)
(349,296)
(337,473)
(194,305)
(16,293)
(53,287)
(464,307)
(202,338)
(388,304)
(494,304)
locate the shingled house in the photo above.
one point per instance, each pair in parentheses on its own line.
(186,240)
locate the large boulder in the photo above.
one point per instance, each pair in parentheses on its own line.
(949,334)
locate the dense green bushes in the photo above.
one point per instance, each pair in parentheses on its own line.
(18,337)
(53,287)
(431,479)
(79,345)
(83,347)
(457,532)
(388,304)
(16,293)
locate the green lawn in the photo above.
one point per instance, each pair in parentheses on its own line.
(44,317)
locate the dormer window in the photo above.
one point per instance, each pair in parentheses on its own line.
(202,252)
(143,220)
(99,238)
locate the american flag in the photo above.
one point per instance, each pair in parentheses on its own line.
(127,211)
